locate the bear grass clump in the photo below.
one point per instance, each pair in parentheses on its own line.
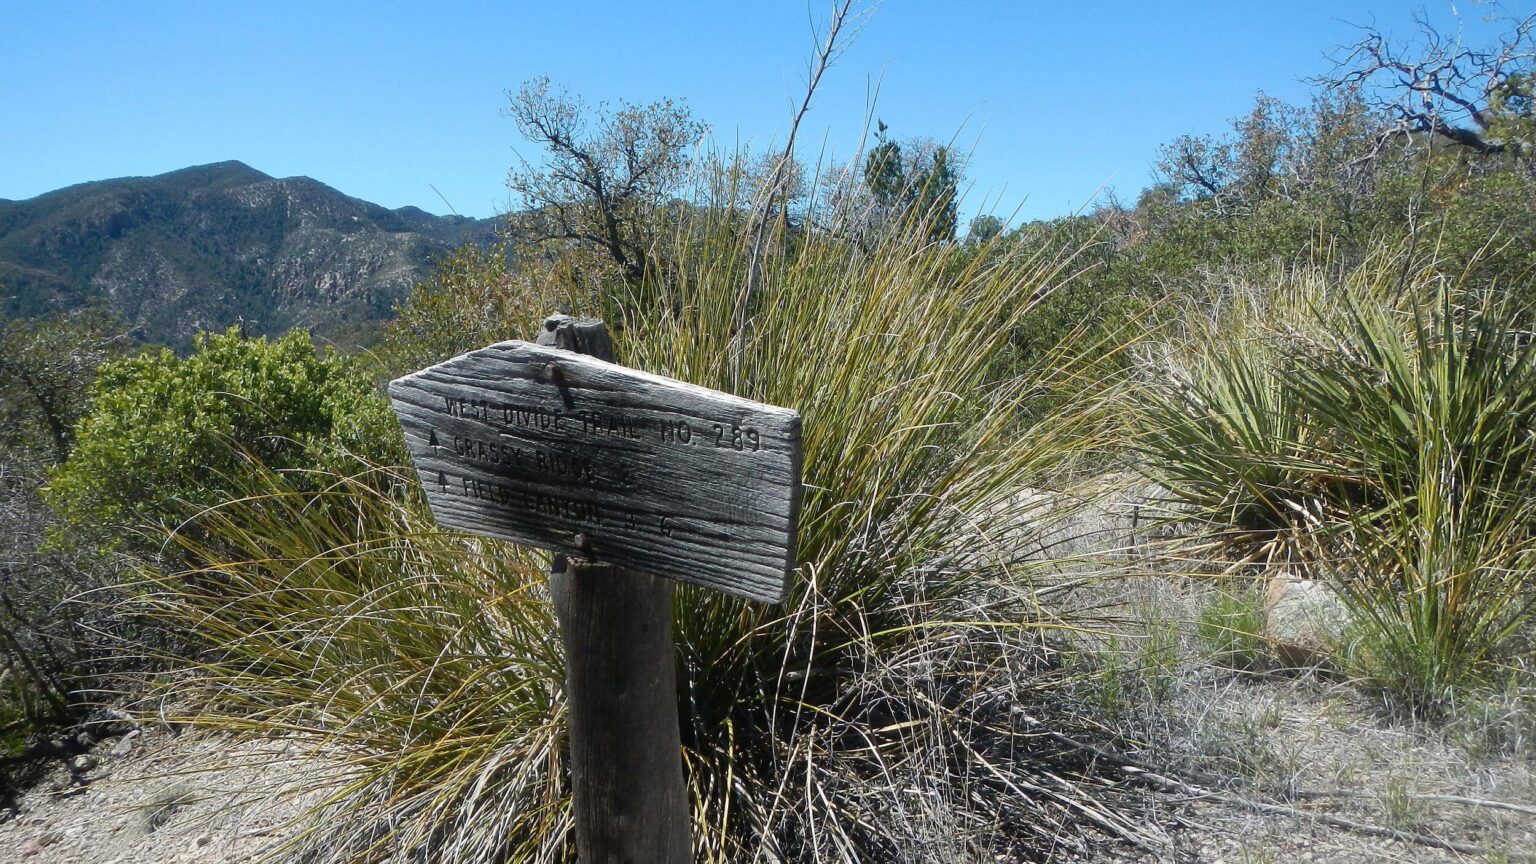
(426,662)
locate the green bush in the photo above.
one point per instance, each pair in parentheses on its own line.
(1489,231)
(164,434)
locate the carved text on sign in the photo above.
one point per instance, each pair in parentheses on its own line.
(598,461)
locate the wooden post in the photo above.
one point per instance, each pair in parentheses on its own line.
(621,687)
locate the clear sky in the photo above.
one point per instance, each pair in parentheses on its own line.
(386,101)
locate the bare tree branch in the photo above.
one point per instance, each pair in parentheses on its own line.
(775,188)
(1479,99)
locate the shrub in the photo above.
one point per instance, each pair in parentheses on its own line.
(332,609)
(1217,423)
(165,434)
(48,648)
(473,297)
(46,369)
(48,645)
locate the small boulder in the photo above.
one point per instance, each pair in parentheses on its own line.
(1303,620)
(110,722)
(37,844)
(124,745)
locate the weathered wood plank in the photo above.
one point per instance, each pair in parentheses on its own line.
(630,804)
(606,463)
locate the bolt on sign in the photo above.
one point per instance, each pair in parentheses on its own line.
(601,462)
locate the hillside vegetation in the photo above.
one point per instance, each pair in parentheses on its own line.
(1056,476)
(203,247)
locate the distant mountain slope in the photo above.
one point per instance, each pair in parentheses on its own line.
(205,246)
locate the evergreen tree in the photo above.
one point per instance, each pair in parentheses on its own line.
(885,173)
(916,191)
(934,198)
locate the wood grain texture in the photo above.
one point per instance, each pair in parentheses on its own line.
(629,802)
(601,462)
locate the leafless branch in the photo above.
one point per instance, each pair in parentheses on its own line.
(1440,88)
(599,179)
(776,185)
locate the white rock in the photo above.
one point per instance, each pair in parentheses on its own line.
(124,744)
(1303,619)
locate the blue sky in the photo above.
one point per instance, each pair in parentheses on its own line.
(386,101)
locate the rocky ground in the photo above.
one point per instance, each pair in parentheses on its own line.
(1318,756)
(1312,775)
(157,798)
(1230,770)
(1292,762)
(1315,774)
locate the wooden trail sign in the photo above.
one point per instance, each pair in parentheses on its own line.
(597,461)
(631,477)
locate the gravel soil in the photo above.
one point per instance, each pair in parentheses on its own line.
(162,798)
(157,798)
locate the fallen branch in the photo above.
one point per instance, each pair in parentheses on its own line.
(1483,803)
(1136,768)
(1329,819)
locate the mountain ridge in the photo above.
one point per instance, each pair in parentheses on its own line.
(201,247)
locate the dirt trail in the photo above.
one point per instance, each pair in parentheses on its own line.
(160,799)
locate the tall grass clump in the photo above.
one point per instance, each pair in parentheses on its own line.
(897,355)
(421,664)
(425,662)
(1378,437)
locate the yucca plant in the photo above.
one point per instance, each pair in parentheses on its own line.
(1225,439)
(1217,423)
(428,661)
(1436,410)
(1381,442)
